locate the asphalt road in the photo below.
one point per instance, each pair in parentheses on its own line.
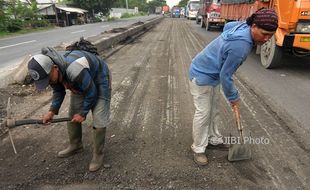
(14,49)
(149,136)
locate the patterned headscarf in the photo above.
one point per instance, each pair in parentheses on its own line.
(264,18)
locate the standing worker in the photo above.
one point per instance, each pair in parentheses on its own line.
(215,66)
(87,76)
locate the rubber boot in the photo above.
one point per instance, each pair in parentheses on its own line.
(75,140)
(98,138)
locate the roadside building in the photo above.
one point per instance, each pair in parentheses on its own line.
(60,14)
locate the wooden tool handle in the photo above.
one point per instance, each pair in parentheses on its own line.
(38,121)
(236,113)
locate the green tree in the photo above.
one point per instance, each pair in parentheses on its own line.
(141,4)
(34,6)
(119,4)
(183,3)
(155,3)
(2,8)
(3,17)
(22,11)
(93,6)
(12,8)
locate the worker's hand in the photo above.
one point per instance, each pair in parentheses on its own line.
(235,104)
(48,117)
(78,118)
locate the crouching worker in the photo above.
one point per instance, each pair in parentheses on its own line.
(87,76)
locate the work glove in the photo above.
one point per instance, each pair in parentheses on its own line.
(77,118)
(48,117)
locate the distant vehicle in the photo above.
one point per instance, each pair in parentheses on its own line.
(182,13)
(192,9)
(198,16)
(292,35)
(158,10)
(166,9)
(210,11)
(176,12)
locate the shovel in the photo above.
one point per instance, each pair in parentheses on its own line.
(239,150)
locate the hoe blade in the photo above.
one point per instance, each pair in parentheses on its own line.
(238,152)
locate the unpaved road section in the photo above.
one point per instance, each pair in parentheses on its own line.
(149,138)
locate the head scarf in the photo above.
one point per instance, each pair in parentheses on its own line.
(264,18)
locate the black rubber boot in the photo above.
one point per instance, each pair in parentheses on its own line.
(75,140)
(99,139)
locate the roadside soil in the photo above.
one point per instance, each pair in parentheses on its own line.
(149,136)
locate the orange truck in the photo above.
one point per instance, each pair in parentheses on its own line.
(292,35)
(166,9)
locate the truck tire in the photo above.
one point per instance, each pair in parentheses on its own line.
(202,23)
(271,54)
(207,25)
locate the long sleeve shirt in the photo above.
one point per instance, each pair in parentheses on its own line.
(217,62)
(86,74)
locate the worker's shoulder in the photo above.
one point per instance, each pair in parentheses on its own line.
(230,25)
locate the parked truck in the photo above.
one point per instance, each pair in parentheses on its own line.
(210,13)
(166,9)
(192,9)
(175,12)
(158,10)
(292,35)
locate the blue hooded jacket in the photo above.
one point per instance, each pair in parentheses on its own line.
(83,73)
(217,62)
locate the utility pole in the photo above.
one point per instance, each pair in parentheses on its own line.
(127,5)
(56,15)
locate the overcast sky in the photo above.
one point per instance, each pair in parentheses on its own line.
(172,2)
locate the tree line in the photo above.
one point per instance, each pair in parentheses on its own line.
(15,14)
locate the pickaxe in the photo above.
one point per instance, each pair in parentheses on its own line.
(10,123)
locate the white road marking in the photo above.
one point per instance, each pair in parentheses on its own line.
(3,47)
(79,31)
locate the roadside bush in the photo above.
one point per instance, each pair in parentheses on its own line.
(112,18)
(39,23)
(14,25)
(3,26)
(96,19)
(127,15)
(3,23)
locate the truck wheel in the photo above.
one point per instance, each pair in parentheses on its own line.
(202,23)
(208,25)
(197,21)
(271,54)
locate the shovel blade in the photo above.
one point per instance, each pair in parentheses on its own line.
(238,152)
